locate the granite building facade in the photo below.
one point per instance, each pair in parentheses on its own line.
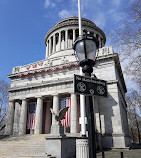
(45,82)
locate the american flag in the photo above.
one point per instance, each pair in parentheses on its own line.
(31,115)
(66,102)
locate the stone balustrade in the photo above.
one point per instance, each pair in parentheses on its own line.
(45,64)
(104,51)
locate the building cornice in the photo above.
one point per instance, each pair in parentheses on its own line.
(43,84)
(116,59)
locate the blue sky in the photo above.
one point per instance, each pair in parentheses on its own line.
(24,24)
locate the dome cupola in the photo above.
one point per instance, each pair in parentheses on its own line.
(59,39)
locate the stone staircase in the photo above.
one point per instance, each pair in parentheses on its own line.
(27,146)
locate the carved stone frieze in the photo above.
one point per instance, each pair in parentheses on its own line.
(64,60)
(45,90)
(48,63)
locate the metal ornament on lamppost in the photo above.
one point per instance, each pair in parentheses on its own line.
(85,46)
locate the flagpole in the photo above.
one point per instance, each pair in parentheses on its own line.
(79,18)
(82,97)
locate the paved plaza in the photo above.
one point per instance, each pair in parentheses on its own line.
(135,153)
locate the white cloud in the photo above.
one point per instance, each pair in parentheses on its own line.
(64,14)
(100,20)
(48,3)
(116,2)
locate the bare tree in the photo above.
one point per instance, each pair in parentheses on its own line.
(3,101)
(127,39)
(134,105)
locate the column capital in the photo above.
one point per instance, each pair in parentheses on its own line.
(55,94)
(24,99)
(71,93)
(39,96)
(11,100)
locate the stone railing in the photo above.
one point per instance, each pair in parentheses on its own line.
(104,51)
(62,60)
(47,63)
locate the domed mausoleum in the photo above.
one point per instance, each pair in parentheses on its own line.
(45,84)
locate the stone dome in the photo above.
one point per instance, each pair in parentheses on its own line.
(59,39)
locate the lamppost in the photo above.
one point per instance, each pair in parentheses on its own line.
(85,46)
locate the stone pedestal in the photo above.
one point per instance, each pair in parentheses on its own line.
(60,147)
(57,130)
(82,150)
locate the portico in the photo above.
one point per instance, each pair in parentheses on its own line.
(17,121)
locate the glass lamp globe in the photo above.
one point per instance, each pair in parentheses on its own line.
(85,47)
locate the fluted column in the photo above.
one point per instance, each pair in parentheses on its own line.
(102,43)
(54,43)
(74,114)
(39,113)
(10,118)
(99,39)
(47,50)
(66,39)
(49,46)
(59,41)
(23,118)
(74,36)
(55,108)
(16,118)
(82,149)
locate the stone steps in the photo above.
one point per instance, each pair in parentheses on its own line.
(28,146)
(23,146)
